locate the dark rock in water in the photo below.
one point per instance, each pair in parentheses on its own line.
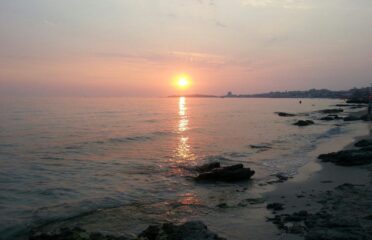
(259,146)
(282,176)
(207,167)
(356,118)
(284,114)
(193,230)
(275,206)
(354,106)
(74,234)
(357,106)
(303,123)
(327,118)
(223,205)
(351,157)
(352,118)
(330,118)
(227,174)
(335,110)
(363,143)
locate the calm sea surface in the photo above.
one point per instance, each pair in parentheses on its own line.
(118,164)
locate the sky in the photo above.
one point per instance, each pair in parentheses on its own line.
(138,47)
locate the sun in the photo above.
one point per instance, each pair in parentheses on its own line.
(183,82)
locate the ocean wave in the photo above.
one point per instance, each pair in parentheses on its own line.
(120,140)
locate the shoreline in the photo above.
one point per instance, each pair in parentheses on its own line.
(324,200)
(314,179)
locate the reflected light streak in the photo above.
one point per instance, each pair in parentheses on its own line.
(183,151)
(182,107)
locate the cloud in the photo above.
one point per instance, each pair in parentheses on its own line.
(202,59)
(290,4)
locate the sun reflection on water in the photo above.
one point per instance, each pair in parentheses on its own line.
(183,151)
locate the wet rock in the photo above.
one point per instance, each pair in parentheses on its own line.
(275,206)
(363,143)
(353,106)
(302,123)
(327,181)
(330,118)
(297,229)
(334,110)
(284,114)
(331,234)
(259,146)
(352,118)
(227,174)
(282,177)
(350,157)
(74,234)
(252,201)
(208,167)
(194,230)
(223,205)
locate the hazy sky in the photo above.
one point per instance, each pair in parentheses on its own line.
(136,47)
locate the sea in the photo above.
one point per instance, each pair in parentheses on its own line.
(116,165)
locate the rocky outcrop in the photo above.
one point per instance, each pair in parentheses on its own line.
(356,117)
(284,114)
(330,111)
(194,230)
(303,123)
(231,173)
(275,206)
(208,167)
(352,118)
(343,215)
(74,234)
(350,157)
(259,146)
(330,118)
(363,143)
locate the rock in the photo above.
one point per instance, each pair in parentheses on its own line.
(353,106)
(227,174)
(350,157)
(207,167)
(363,143)
(223,205)
(275,206)
(252,201)
(334,110)
(284,114)
(282,177)
(193,230)
(74,234)
(352,118)
(327,118)
(303,123)
(297,229)
(330,118)
(259,146)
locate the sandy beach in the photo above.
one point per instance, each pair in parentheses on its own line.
(325,201)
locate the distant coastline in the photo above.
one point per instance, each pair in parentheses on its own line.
(354,95)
